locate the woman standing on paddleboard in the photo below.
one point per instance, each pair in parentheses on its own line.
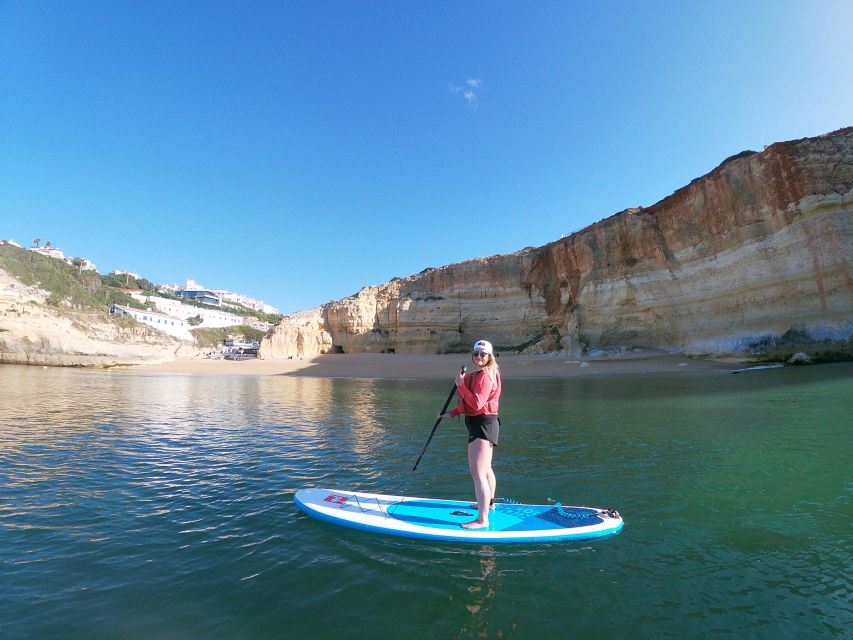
(479,393)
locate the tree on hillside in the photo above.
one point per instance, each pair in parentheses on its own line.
(78,262)
(36,242)
(48,244)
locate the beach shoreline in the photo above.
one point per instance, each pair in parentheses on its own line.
(385,366)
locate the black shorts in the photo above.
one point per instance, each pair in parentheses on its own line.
(484,427)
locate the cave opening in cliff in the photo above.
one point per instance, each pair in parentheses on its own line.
(336,348)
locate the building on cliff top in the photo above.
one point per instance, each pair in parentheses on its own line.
(210,318)
(192,290)
(165,323)
(196,292)
(58,254)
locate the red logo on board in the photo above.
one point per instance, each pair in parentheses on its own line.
(335,499)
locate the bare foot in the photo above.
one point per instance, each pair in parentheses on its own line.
(475,524)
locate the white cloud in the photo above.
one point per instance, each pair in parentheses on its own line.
(470,91)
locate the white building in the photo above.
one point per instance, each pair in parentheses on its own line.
(119,272)
(58,254)
(50,252)
(245,301)
(166,323)
(210,318)
(168,288)
(257,324)
(217,297)
(194,291)
(88,265)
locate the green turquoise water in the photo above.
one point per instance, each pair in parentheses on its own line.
(137,505)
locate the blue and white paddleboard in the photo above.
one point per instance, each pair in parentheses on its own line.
(432,519)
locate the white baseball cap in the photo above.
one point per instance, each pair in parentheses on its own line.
(484,345)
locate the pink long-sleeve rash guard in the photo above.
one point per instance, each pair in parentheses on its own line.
(478,394)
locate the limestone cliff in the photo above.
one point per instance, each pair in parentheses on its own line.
(34,332)
(754,255)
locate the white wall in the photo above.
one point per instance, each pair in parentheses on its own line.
(173,326)
(210,318)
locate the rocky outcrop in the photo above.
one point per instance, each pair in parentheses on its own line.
(752,256)
(34,332)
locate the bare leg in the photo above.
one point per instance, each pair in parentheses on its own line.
(492,483)
(480,464)
(492,491)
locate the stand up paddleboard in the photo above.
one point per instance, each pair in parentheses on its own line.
(433,519)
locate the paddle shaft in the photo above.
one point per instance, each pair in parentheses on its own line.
(435,426)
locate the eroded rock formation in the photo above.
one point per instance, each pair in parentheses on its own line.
(754,254)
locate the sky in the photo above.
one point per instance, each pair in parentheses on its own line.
(298,151)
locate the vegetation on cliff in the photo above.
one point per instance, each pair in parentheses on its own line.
(79,291)
(66,285)
(214,338)
(88,290)
(127,281)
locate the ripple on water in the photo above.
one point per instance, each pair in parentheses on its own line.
(145,504)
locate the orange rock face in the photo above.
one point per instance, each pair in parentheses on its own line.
(755,254)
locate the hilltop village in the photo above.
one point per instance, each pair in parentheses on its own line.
(177,315)
(40,282)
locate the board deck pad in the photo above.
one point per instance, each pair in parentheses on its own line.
(434,519)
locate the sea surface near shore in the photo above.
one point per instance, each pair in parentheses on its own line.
(389,366)
(161,505)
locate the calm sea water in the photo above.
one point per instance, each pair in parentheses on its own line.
(161,506)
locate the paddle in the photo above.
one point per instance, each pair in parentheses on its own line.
(435,426)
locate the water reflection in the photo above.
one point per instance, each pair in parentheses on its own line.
(169,498)
(309,397)
(483,584)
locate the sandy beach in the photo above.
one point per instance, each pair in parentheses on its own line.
(412,366)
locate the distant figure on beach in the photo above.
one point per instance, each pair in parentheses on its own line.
(479,393)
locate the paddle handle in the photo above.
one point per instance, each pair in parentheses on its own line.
(435,426)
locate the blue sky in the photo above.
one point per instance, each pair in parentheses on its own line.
(296,151)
